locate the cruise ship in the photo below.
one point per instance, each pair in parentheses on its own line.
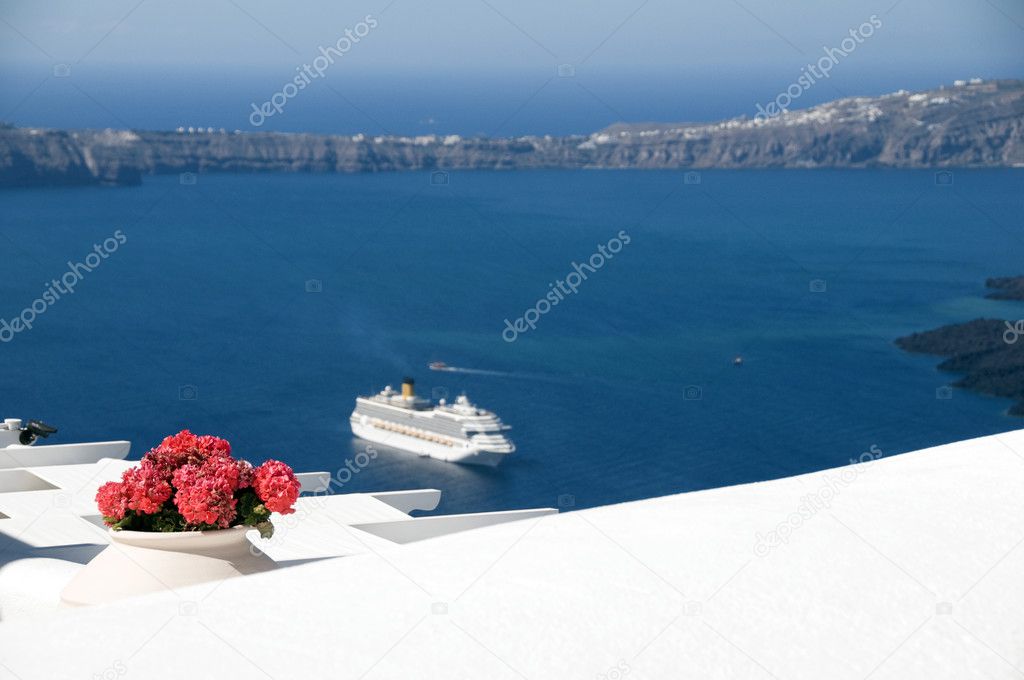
(457,433)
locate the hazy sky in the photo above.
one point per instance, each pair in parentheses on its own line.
(728,46)
(479,35)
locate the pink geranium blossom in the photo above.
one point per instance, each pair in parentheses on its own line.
(277,486)
(112,500)
(182,449)
(206,492)
(146,489)
(191,482)
(246,474)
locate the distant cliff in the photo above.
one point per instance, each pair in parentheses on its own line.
(968,125)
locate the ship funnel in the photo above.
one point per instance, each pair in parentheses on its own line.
(407,391)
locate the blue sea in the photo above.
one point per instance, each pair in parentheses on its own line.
(257,307)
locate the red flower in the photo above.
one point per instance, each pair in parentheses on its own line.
(206,493)
(199,446)
(277,486)
(182,449)
(246,474)
(213,446)
(198,475)
(146,489)
(112,500)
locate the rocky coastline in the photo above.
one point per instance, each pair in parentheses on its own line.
(988,352)
(969,125)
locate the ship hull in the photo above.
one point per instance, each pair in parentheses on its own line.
(461,452)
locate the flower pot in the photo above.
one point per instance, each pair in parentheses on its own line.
(140,562)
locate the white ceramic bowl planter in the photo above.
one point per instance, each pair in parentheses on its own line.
(140,562)
(182,517)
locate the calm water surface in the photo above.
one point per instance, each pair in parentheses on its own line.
(625,390)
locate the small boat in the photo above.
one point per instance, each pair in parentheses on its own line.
(437,366)
(738,361)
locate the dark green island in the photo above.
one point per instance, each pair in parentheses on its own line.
(1006,288)
(989,352)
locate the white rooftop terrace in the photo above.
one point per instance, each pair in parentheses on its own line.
(905,567)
